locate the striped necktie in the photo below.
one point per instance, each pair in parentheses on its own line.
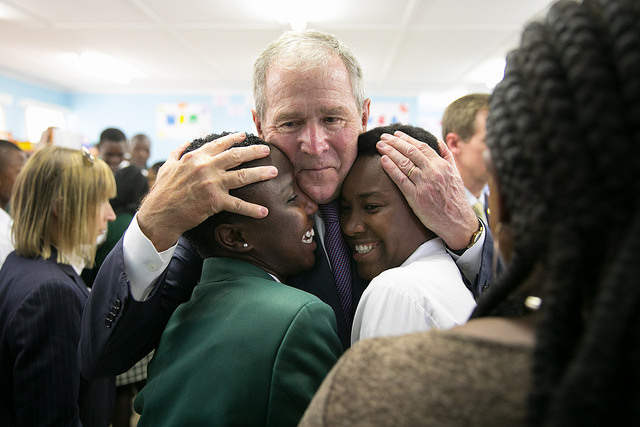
(338,256)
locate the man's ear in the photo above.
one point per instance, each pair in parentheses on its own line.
(231,238)
(453,141)
(257,122)
(366,110)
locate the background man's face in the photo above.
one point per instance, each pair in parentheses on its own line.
(112,152)
(14,162)
(140,152)
(471,156)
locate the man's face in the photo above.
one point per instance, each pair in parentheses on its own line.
(470,159)
(14,162)
(112,152)
(140,152)
(313,118)
(377,222)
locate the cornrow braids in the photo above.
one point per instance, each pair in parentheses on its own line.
(564,134)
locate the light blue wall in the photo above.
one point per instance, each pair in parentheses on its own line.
(89,114)
(21,91)
(137,114)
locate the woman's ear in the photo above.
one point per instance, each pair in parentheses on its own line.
(231,238)
(55,209)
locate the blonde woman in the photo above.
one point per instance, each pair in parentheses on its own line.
(61,206)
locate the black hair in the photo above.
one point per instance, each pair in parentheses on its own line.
(156,166)
(367,140)
(202,236)
(112,134)
(131,187)
(564,135)
(6,146)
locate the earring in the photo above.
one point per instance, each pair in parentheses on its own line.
(245,245)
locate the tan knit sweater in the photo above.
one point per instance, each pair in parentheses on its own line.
(434,378)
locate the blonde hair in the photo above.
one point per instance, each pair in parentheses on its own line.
(73,184)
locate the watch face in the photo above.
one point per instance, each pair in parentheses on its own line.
(476,236)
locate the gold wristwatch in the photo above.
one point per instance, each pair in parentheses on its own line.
(474,239)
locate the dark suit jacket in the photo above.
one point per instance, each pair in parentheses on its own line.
(41,305)
(245,350)
(117,331)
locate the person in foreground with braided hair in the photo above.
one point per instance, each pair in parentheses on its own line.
(556,340)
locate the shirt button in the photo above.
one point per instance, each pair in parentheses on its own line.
(152,266)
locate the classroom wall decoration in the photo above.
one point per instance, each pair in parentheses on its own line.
(182,121)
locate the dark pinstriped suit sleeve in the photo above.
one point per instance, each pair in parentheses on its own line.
(117,330)
(45,330)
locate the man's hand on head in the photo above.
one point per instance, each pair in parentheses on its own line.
(192,187)
(432,186)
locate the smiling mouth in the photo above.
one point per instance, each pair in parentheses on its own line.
(364,249)
(308,236)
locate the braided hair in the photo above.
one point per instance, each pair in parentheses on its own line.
(564,135)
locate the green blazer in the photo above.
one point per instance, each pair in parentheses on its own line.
(245,350)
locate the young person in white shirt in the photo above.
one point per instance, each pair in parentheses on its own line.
(415,284)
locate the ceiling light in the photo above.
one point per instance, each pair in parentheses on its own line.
(297,13)
(102,66)
(489,73)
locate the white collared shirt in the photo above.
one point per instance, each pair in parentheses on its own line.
(425,292)
(6,242)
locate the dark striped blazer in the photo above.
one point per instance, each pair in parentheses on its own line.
(41,305)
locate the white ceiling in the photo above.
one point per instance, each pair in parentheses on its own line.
(405,47)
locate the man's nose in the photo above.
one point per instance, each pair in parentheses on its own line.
(314,139)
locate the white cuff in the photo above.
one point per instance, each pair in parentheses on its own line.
(469,262)
(142,262)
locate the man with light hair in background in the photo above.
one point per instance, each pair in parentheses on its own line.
(464,132)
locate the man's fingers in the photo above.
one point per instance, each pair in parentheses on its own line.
(420,153)
(445,153)
(177,152)
(224,157)
(221,144)
(239,206)
(239,155)
(400,160)
(397,175)
(241,177)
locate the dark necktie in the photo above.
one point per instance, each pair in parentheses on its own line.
(338,256)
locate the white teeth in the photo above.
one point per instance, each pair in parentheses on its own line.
(363,249)
(308,236)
